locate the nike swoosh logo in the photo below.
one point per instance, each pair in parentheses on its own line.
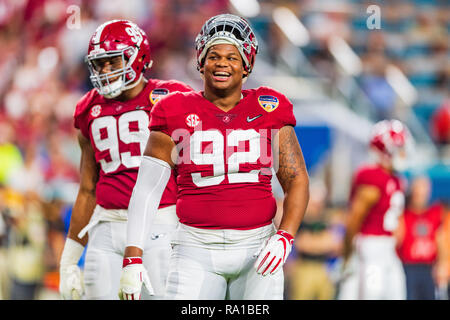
(254,118)
(157,236)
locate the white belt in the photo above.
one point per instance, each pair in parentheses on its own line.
(166,215)
(222,238)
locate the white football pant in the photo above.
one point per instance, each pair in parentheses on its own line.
(375,271)
(104,255)
(218,264)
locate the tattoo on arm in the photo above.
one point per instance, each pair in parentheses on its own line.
(290,157)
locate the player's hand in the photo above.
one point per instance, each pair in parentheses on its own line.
(70,282)
(274,253)
(70,275)
(133,276)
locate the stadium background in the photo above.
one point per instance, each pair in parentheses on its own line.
(344,64)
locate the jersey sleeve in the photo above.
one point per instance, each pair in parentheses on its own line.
(179,86)
(79,117)
(283,110)
(286,113)
(158,119)
(366,176)
(361,177)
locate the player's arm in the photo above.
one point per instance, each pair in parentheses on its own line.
(159,146)
(154,173)
(399,232)
(71,286)
(365,197)
(294,180)
(85,202)
(441,266)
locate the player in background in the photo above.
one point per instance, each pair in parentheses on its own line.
(376,203)
(226,245)
(113,121)
(418,240)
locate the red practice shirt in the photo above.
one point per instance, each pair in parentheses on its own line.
(419,242)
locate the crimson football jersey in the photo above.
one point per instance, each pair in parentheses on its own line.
(419,243)
(118,132)
(224,165)
(382,218)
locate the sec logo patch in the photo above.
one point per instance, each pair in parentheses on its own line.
(268,103)
(192,120)
(96,110)
(157,94)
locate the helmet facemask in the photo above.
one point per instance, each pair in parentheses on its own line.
(106,83)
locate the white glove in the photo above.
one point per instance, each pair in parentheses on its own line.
(70,276)
(273,253)
(133,276)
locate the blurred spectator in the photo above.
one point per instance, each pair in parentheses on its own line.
(53,213)
(316,242)
(440,123)
(10,156)
(417,234)
(26,245)
(373,80)
(426,26)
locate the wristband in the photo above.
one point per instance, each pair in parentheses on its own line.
(287,235)
(131,260)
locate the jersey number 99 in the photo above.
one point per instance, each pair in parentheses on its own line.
(118,129)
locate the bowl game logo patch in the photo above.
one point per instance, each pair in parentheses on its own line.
(268,103)
(96,110)
(157,94)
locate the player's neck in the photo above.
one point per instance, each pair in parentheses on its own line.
(222,100)
(417,208)
(387,168)
(133,92)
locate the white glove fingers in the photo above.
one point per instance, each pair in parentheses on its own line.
(147,284)
(76,295)
(71,282)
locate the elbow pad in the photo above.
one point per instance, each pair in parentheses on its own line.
(151,182)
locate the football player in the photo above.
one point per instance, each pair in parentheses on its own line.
(372,267)
(113,121)
(225,143)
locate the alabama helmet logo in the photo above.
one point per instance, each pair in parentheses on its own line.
(192,120)
(157,94)
(96,110)
(268,103)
